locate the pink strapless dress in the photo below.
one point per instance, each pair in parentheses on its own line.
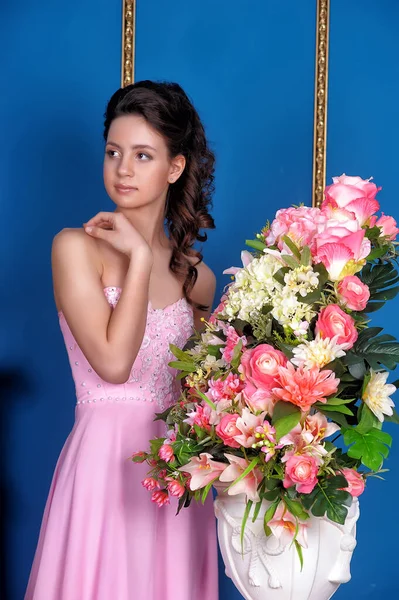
(101,537)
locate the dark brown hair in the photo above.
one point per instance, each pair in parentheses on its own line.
(167,108)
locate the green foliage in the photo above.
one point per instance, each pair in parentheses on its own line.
(328,499)
(370,447)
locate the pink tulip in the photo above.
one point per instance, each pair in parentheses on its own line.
(166,453)
(175,488)
(150,484)
(161,498)
(203,470)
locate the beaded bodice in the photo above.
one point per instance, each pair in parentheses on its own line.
(151,379)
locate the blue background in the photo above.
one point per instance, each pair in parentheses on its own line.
(249,68)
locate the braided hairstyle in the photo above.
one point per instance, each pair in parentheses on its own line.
(167,108)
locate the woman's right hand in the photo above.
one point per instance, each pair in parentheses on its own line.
(115,229)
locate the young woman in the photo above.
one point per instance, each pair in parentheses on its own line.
(126,287)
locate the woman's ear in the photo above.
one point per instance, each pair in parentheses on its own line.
(177,167)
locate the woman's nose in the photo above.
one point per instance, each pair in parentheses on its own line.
(126,166)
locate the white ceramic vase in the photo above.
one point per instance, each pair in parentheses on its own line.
(268,570)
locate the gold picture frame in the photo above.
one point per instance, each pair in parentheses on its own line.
(320,101)
(128,41)
(321,83)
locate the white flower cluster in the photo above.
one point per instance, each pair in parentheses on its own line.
(254,287)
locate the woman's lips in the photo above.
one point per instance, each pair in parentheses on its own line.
(125,189)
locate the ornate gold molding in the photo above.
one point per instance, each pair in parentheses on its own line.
(128,41)
(320,102)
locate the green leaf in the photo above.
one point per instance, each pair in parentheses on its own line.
(258,506)
(290,261)
(214,350)
(378,252)
(235,361)
(179,353)
(206,399)
(256,244)
(269,514)
(299,551)
(393,418)
(206,489)
(292,246)
(368,420)
(272,495)
(338,401)
(344,410)
(246,471)
(285,417)
(279,275)
(244,522)
(334,416)
(306,257)
(370,447)
(295,507)
(327,498)
(183,366)
(373,233)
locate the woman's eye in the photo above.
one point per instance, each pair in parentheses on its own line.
(112,153)
(142,156)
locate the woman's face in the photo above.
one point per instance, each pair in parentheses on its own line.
(137,165)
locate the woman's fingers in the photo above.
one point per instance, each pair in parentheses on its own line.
(101,219)
(98,232)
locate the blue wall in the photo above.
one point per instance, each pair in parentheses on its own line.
(363,129)
(249,68)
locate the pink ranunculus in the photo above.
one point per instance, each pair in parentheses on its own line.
(353,293)
(160,497)
(227,428)
(150,484)
(355,481)
(248,485)
(303,387)
(388,226)
(162,474)
(284,526)
(301,471)
(332,322)
(203,470)
(166,453)
(246,425)
(175,488)
(260,366)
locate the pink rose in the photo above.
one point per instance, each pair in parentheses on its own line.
(175,488)
(355,481)
(355,195)
(260,367)
(334,322)
(150,484)
(301,471)
(166,453)
(353,293)
(227,429)
(388,226)
(161,498)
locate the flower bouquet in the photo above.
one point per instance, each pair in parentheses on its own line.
(285,393)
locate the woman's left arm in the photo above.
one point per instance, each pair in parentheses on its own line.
(203,293)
